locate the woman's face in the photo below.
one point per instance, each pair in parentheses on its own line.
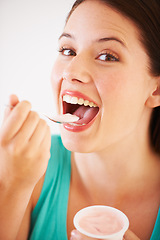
(102,61)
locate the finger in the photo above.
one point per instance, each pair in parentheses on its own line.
(15,120)
(129,235)
(46,142)
(39,143)
(76,235)
(39,134)
(26,131)
(13,101)
(45,148)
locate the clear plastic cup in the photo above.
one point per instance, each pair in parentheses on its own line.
(101,222)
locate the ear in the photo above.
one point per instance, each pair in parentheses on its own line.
(154,98)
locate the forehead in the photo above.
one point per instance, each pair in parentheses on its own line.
(93,18)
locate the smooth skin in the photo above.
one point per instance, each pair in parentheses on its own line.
(24,154)
(112,161)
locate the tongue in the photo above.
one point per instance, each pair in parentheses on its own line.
(86,114)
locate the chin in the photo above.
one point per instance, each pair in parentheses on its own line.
(75,143)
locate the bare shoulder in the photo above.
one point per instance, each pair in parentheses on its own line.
(25,225)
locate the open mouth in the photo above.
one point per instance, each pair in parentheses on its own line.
(84,109)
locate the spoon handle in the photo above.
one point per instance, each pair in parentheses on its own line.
(63,118)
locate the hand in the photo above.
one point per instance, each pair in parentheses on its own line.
(75,235)
(129,235)
(24,145)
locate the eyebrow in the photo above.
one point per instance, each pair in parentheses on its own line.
(105,39)
(112,39)
(67,35)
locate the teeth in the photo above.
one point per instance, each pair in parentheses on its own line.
(74,100)
(86,103)
(66,98)
(80,101)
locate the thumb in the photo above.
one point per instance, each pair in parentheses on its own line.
(76,235)
(129,235)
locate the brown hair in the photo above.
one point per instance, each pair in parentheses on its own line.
(146,15)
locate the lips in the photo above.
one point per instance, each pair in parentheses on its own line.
(80,105)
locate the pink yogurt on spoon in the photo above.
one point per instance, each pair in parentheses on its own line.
(101,222)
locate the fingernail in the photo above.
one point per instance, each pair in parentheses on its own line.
(75,235)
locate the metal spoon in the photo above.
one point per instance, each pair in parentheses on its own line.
(61,118)
(64,118)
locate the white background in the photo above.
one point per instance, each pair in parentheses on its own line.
(29,32)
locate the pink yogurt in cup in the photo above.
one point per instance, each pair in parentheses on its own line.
(102,222)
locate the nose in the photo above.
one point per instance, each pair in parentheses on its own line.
(78,69)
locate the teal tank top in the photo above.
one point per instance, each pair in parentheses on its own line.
(49,217)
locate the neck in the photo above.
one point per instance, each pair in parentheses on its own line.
(122,166)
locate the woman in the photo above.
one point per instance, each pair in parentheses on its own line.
(107,73)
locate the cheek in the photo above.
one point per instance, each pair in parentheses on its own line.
(56,74)
(56,79)
(111,86)
(122,86)
(120,92)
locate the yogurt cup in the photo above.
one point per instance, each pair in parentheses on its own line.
(101,222)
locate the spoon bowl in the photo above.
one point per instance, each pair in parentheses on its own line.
(64,118)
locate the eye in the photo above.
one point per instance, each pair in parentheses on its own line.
(108,57)
(67,51)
